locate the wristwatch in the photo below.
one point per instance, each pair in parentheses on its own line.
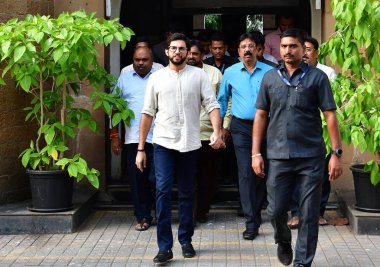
(337,152)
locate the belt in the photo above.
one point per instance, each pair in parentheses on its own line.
(243,120)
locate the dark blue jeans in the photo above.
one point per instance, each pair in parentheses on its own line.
(249,189)
(168,161)
(142,183)
(283,177)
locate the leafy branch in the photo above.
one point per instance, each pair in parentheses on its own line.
(50,58)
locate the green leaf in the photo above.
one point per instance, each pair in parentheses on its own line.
(116,119)
(107,108)
(49,135)
(119,36)
(108,39)
(97,104)
(60,79)
(62,162)
(35,163)
(73,170)
(93,125)
(19,52)
(25,158)
(5,46)
(38,37)
(81,168)
(2,82)
(57,54)
(25,83)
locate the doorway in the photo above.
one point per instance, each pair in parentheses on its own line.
(152,18)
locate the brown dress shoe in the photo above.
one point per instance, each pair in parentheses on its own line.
(293,222)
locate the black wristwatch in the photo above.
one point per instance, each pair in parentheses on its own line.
(337,152)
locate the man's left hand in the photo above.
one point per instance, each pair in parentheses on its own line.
(216,141)
(335,168)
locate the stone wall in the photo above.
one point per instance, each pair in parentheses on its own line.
(15,133)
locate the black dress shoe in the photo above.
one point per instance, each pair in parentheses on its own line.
(202,218)
(285,253)
(188,250)
(163,256)
(250,234)
(298,265)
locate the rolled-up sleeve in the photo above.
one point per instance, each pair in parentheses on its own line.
(150,99)
(224,96)
(209,102)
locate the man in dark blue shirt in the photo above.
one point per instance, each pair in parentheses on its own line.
(293,95)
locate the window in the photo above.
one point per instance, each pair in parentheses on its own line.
(254,23)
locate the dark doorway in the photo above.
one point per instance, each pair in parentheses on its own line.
(151,18)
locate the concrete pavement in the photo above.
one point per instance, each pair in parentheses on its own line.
(108,238)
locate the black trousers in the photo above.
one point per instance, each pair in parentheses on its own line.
(283,177)
(251,187)
(206,178)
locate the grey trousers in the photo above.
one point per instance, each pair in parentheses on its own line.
(283,177)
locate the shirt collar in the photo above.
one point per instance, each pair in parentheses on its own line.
(134,73)
(258,65)
(303,66)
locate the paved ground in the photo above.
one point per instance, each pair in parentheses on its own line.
(108,238)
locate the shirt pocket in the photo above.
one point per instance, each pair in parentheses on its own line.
(276,96)
(304,97)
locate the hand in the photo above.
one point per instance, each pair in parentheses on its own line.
(116,146)
(216,141)
(335,168)
(258,166)
(225,135)
(141,160)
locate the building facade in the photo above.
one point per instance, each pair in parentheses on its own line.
(149,18)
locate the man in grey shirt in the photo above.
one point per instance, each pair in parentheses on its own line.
(293,95)
(174,96)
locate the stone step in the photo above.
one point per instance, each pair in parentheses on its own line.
(361,223)
(15,218)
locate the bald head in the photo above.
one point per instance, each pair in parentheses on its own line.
(142,60)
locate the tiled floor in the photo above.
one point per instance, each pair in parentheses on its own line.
(108,238)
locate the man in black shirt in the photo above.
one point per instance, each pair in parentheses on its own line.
(218,49)
(293,95)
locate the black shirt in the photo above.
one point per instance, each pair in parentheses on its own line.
(295,127)
(227,61)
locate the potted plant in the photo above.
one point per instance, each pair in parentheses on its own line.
(51,59)
(355,47)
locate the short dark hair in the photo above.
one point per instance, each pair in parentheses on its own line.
(258,37)
(218,36)
(198,44)
(295,33)
(143,39)
(285,16)
(312,40)
(178,37)
(246,36)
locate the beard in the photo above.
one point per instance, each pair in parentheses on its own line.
(193,62)
(177,63)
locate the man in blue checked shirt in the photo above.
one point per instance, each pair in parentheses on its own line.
(242,82)
(132,85)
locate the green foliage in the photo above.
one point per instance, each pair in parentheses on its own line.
(213,22)
(52,59)
(254,23)
(355,47)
